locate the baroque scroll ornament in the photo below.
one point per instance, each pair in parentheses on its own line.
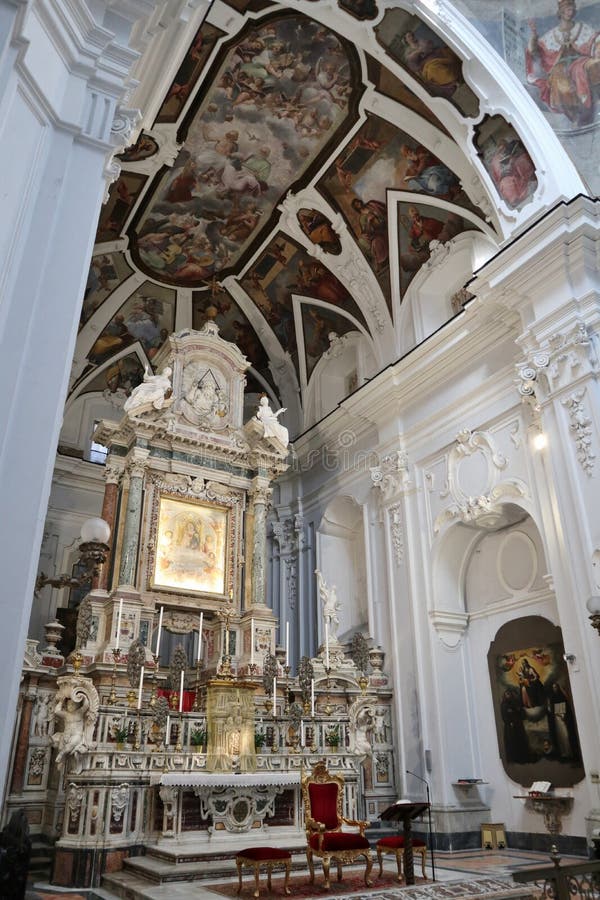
(136,658)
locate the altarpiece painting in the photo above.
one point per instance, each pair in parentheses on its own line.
(191,547)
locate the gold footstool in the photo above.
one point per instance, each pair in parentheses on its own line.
(255,857)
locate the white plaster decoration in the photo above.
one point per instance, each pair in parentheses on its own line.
(291,578)
(581,429)
(449,625)
(473,486)
(397,532)
(179,622)
(150,394)
(391,475)
(124,123)
(565,357)
(76,705)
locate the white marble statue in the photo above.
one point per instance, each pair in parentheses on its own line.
(77,705)
(270,422)
(41,716)
(152,391)
(331,606)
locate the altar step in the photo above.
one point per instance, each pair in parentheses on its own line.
(141,876)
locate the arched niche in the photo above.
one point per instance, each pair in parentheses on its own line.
(341,370)
(342,561)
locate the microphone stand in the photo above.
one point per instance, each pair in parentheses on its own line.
(426,783)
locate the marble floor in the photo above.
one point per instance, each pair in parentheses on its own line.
(469,873)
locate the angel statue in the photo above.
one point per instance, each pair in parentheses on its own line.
(270,422)
(76,706)
(331,606)
(152,391)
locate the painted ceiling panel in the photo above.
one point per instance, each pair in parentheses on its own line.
(107,272)
(280,92)
(318,324)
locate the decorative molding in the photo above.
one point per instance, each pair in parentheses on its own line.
(581,429)
(482,511)
(119,797)
(391,475)
(397,533)
(449,625)
(563,357)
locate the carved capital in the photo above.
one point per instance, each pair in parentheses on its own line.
(449,625)
(391,475)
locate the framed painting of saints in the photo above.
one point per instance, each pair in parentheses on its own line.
(191,547)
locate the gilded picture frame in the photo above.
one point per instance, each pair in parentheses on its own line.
(192,547)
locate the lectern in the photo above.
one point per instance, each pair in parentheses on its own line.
(405,811)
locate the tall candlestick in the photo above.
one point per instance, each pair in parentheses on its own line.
(274,696)
(160,618)
(251,642)
(118,637)
(200,637)
(139,706)
(326,646)
(287,643)
(312,697)
(181,692)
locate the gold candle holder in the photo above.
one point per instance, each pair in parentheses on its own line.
(196,707)
(179,727)
(131,699)
(77,660)
(112,697)
(153,686)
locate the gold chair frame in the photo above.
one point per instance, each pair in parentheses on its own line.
(399,854)
(321,775)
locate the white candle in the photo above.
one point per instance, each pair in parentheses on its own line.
(287,643)
(168,731)
(274,696)
(312,697)
(119,624)
(200,637)
(226,641)
(181,692)
(302,732)
(139,706)
(251,642)
(326,646)
(160,618)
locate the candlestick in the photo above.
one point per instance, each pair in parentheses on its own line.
(287,643)
(326,646)
(181,692)
(227,637)
(139,703)
(168,731)
(274,696)
(160,618)
(251,642)
(118,636)
(200,637)
(312,697)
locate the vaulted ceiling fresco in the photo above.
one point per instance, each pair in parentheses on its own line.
(262,190)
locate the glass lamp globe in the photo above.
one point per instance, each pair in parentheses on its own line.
(593,605)
(95,531)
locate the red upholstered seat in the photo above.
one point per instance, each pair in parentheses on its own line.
(323,796)
(398,841)
(339,840)
(260,853)
(323,803)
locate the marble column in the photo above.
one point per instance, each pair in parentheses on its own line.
(133,516)
(109,513)
(260,498)
(63,73)
(18,775)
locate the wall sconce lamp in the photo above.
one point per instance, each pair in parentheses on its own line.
(593,606)
(540,440)
(95,534)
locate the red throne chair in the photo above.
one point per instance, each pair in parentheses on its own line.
(322,796)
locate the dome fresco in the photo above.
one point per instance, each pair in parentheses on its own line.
(290,165)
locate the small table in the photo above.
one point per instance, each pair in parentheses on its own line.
(255,857)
